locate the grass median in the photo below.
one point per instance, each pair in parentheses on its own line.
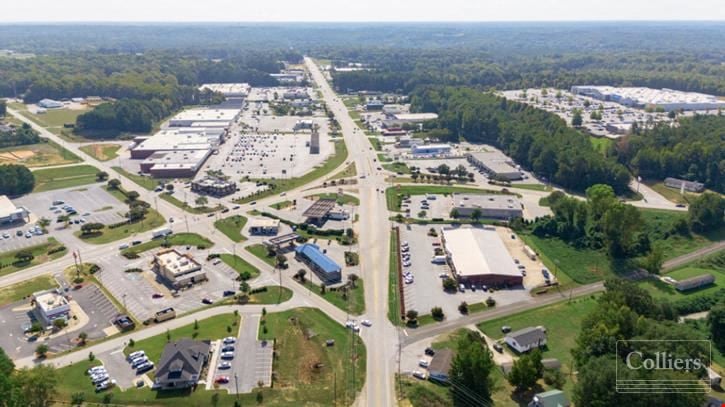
(48,179)
(232,227)
(15,260)
(177,239)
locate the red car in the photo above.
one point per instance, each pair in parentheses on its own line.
(222,379)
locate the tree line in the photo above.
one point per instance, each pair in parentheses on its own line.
(15,180)
(26,387)
(693,150)
(537,140)
(19,137)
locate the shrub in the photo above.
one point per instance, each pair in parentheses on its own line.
(437,313)
(490,302)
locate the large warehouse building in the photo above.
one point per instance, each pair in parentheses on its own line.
(9,213)
(229,90)
(478,256)
(495,164)
(505,207)
(667,99)
(173,140)
(204,117)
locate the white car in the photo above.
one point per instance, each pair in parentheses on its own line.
(105,385)
(134,355)
(225,365)
(96,369)
(350,323)
(227,355)
(419,375)
(230,340)
(423,363)
(366,322)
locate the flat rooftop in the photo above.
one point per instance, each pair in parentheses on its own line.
(320,208)
(176,263)
(654,96)
(263,223)
(495,161)
(173,140)
(206,115)
(7,207)
(185,159)
(50,300)
(228,89)
(486,201)
(478,251)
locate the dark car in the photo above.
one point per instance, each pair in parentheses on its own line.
(210,215)
(135,243)
(497,346)
(225,210)
(228,293)
(430,351)
(206,301)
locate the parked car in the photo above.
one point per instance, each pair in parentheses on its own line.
(145,367)
(222,379)
(366,322)
(230,339)
(505,329)
(207,301)
(138,362)
(227,355)
(105,385)
(419,375)
(123,246)
(423,363)
(134,355)
(228,293)
(228,348)
(497,346)
(430,351)
(225,365)
(157,295)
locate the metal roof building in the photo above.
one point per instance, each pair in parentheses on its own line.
(325,268)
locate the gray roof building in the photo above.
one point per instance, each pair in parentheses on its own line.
(689,186)
(441,365)
(695,282)
(181,364)
(526,339)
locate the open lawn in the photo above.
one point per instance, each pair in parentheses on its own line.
(353,301)
(176,239)
(582,266)
(102,152)
(17,292)
(601,144)
(216,327)
(152,220)
(274,295)
(260,251)
(281,205)
(44,154)
(394,195)
(663,290)
(349,171)
(143,181)
(52,119)
(185,206)
(282,185)
(343,199)
(239,264)
(375,143)
(40,252)
(561,332)
(397,167)
(232,227)
(300,336)
(64,177)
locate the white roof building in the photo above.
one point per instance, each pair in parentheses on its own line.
(50,305)
(640,97)
(204,117)
(228,89)
(9,212)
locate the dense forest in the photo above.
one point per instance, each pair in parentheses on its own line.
(693,150)
(19,137)
(535,139)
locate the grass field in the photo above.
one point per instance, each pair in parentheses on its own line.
(582,266)
(533,187)
(343,199)
(64,177)
(282,185)
(152,220)
(677,245)
(186,207)
(260,251)
(52,119)
(663,290)
(176,239)
(102,152)
(394,195)
(40,252)
(601,144)
(143,181)
(215,327)
(274,295)
(375,143)
(232,227)
(561,332)
(239,264)
(393,294)
(17,292)
(42,154)
(353,302)
(300,336)
(281,205)
(397,167)
(349,171)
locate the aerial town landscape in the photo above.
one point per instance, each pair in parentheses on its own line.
(365,214)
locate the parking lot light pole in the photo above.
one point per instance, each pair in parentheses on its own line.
(236,385)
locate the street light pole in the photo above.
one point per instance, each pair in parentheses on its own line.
(236,385)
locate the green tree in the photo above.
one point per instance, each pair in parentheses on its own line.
(132,196)
(654,260)
(201,201)
(78,398)
(82,337)
(476,214)
(24,256)
(41,350)
(707,212)
(463,307)
(524,374)
(352,277)
(576,119)
(38,385)
(716,320)
(59,323)
(411,315)
(554,378)
(101,176)
(471,368)
(114,183)
(15,180)
(454,213)
(437,313)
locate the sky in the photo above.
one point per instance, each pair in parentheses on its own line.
(357,10)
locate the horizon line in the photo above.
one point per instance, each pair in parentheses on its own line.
(69,22)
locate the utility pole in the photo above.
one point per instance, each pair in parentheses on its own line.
(236,385)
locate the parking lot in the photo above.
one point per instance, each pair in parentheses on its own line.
(119,368)
(252,362)
(426,290)
(136,290)
(16,317)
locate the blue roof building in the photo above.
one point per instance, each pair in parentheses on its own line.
(325,268)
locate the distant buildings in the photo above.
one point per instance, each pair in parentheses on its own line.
(495,164)
(49,306)
(9,213)
(526,339)
(204,117)
(229,90)
(478,256)
(50,104)
(326,269)
(181,364)
(430,149)
(639,97)
(304,125)
(504,207)
(180,270)
(175,164)
(373,105)
(689,186)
